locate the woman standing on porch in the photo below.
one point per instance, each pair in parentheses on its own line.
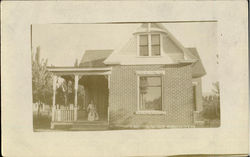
(92,113)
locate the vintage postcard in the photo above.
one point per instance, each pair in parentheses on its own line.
(124,78)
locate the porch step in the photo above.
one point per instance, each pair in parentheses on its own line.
(199,123)
(90,126)
(90,122)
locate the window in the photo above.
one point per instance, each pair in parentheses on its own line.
(155,44)
(149,45)
(144,45)
(150,93)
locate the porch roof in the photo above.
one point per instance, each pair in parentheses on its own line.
(79,70)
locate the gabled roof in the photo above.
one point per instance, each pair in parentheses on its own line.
(94,58)
(102,58)
(150,27)
(119,58)
(198,69)
(187,54)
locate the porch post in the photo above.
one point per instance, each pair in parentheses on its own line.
(108,95)
(54,97)
(108,81)
(76,88)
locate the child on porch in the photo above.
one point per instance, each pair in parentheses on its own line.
(92,113)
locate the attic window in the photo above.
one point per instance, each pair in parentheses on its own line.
(144,45)
(149,45)
(155,44)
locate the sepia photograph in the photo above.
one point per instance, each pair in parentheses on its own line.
(124,78)
(115,76)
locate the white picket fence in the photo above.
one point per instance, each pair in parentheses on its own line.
(68,114)
(64,115)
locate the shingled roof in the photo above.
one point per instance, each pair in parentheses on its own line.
(198,69)
(94,58)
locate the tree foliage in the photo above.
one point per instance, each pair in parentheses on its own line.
(216,88)
(41,79)
(66,88)
(42,84)
(211,103)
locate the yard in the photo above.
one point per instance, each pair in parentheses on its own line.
(41,122)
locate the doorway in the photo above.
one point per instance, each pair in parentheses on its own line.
(96,90)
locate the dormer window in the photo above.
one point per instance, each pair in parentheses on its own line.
(155,45)
(144,48)
(149,45)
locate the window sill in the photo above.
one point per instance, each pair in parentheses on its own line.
(149,56)
(150,112)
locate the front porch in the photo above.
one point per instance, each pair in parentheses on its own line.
(81,125)
(72,114)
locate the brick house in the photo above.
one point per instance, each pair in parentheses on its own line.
(152,81)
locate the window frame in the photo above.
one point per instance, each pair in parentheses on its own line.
(146,45)
(194,88)
(155,44)
(149,44)
(150,74)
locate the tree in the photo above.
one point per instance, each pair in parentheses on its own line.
(216,89)
(211,104)
(67,88)
(60,96)
(41,80)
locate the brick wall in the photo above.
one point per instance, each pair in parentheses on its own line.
(177,97)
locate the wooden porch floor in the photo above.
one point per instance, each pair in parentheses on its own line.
(82,125)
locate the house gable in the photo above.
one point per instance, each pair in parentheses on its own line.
(172,52)
(171,49)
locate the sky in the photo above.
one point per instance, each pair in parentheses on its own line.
(62,44)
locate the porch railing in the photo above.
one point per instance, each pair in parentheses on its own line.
(64,114)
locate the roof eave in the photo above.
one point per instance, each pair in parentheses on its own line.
(199,76)
(76,69)
(187,61)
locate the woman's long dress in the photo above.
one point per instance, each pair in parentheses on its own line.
(92,113)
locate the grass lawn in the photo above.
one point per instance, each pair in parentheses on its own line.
(41,122)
